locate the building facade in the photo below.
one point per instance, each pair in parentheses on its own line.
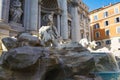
(70,17)
(84,21)
(105,26)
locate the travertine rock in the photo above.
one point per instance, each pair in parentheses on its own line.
(10,43)
(27,39)
(104,62)
(22,57)
(64,62)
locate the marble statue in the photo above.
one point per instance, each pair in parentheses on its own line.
(16,11)
(89,45)
(49,34)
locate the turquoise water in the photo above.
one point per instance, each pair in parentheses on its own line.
(109,75)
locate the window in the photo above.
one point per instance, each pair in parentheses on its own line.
(82,35)
(106,23)
(107,32)
(81,16)
(118,30)
(105,14)
(108,42)
(87,20)
(96,26)
(98,43)
(119,40)
(87,36)
(95,17)
(116,10)
(97,34)
(117,19)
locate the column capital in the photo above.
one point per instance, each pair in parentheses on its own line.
(75,3)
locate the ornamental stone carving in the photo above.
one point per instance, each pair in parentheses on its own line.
(48,33)
(15,11)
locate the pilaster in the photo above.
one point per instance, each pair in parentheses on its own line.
(75,23)
(64,19)
(31,16)
(58,23)
(4,17)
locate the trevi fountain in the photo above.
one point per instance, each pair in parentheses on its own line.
(49,57)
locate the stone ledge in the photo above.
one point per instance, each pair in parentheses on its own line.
(4,26)
(4,29)
(16,27)
(33,32)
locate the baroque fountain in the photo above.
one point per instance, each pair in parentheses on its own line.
(49,57)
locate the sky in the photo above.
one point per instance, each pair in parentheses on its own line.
(95,4)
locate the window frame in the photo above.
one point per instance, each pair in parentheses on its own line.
(95,17)
(106,24)
(108,42)
(98,43)
(116,19)
(96,26)
(82,35)
(98,34)
(119,40)
(117,30)
(116,8)
(106,32)
(105,14)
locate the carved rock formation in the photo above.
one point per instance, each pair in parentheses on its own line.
(42,63)
(9,43)
(26,59)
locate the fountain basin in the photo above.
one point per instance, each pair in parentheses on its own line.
(108,75)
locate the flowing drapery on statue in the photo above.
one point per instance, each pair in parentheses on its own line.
(48,33)
(16,11)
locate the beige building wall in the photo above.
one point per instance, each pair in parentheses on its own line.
(106,33)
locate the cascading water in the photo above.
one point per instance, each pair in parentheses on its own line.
(62,66)
(113,61)
(105,61)
(106,66)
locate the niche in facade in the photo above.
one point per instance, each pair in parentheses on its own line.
(16,11)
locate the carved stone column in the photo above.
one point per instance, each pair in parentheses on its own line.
(4,10)
(1,8)
(34,15)
(64,19)
(58,23)
(26,15)
(31,16)
(39,16)
(4,27)
(75,23)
